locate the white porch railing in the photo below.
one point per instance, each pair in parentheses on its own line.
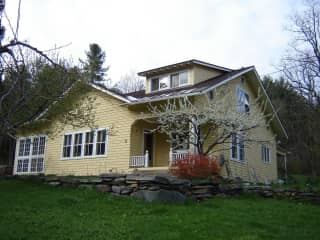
(178,154)
(140,160)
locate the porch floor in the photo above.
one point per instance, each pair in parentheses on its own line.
(152,170)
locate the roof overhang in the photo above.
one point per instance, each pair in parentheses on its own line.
(180,65)
(117,96)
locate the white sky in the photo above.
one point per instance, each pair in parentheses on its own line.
(144,34)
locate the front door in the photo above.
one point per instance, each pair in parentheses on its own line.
(148,145)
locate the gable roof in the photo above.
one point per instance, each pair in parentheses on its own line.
(183,64)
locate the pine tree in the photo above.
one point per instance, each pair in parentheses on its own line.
(93,65)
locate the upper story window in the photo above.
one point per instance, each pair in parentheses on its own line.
(243,102)
(169,81)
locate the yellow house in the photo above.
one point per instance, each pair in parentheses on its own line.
(134,145)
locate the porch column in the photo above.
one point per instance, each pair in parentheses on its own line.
(170,155)
(146,159)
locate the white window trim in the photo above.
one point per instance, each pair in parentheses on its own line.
(30,156)
(83,143)
(238,151)
(267,147)
(169,77)
(246,92)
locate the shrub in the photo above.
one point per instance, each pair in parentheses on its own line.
(195,166)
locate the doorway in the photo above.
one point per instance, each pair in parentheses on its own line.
(148,145)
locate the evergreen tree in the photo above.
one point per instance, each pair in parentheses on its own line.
(298,118)
(93,65)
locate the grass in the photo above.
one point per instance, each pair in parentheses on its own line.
(30,210)
(301,182)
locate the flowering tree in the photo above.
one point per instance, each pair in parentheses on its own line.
(212,121)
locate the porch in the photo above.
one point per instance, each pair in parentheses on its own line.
(143,161)
(151,149)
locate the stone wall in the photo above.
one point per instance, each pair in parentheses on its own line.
(171,189)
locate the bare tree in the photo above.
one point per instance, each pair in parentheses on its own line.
(301,66)
(130,82)
(31,82)
(211,123)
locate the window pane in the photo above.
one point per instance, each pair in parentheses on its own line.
(241,149)
(27,147)
(101,142)
(174,80)
(154,84)
(21,147)
(25,163)
(88,148)
(164,82)
(183,78)
(40,165)
(234,146)
(67,145)
(35,147)
(19,167)
(33,165)
(42,145)
(77,145)
(242,101)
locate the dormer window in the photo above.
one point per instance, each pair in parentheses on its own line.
(154,84)
(169,81)
(164,82)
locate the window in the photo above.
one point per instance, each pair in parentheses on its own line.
(88,146)
(175,80)
(169,81)
(77,145)
(101,142)
(243,104)
(67,145)
(179,79)
(265,152)
(85,144)
(31,152)
(154,84)
(164,82)
(237,147)
(183,78)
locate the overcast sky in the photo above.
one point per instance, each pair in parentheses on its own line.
(144,34)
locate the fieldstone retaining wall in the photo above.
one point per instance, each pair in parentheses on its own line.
(167,188)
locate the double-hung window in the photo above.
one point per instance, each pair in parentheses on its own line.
(101,142)
(243,104)
(67,143)
(30,155)
(237,147)
(265,153)
(179,79)
(85,144)
(77,145)
(88,145)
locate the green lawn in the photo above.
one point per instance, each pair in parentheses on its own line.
(37,211)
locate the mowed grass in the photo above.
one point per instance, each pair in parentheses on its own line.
(30,210)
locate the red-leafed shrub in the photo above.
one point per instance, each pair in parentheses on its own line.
(195,166)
